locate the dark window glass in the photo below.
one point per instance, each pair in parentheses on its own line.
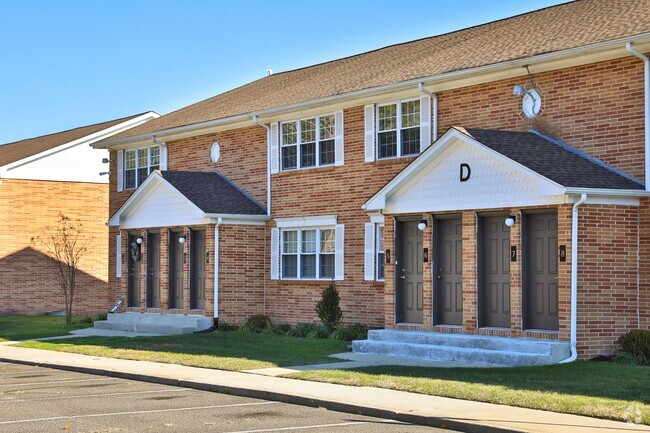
(142,174)
(387,144)
(308,266)
(327,266)
(289,159)
(308,154)
(410,141)
(129,179)
(327,152)
(289,266)
(380,266)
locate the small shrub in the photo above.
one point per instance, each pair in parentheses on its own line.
(635,345)
(281,329)
(302,329)
(356,331)
(319,332)
(226,327)
(328,308)
(256,323)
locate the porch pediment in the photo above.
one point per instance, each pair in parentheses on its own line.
(484,169)
(171,199)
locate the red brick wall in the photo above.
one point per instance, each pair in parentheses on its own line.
(27,282)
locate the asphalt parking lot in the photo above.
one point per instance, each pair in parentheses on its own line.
(35,399)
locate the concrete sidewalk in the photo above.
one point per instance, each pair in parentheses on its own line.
(454,414)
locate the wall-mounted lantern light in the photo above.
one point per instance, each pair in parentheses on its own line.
(510,220)
(181,240)
(422,225)
(139,240)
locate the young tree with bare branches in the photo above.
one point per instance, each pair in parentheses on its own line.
(65,244)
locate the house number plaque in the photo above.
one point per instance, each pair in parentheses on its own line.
(563,253)
(513,253)
(425,255)
(387,253)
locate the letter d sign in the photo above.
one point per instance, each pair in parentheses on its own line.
(465,172)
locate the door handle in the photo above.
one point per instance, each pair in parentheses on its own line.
(403,277)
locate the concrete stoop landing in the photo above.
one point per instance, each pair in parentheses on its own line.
(151,323)
(466,349)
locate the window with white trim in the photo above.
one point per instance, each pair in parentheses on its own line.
(379,248)
(308,142)
(308,253)
(398,129)
(138,164)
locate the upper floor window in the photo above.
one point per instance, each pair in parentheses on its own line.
(308,253)
(398,129)
(138,163)
(308,142)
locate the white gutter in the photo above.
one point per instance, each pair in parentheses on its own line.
(646,63)
(434,97)
(574,280)
(216,268)
(403,85)
(268,165)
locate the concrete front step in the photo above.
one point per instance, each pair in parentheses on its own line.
(476,349)
(154,323)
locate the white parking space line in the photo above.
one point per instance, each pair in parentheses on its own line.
(341,424)
(58,381)
(97,395)
(137,412)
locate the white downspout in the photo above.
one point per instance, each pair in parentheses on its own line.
(574,280)
(216,268)
(646,63)
(434,97)
(268,165)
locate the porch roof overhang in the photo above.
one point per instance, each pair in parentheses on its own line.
(483,169)
(166,199)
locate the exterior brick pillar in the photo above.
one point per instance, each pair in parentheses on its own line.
(143,271)
(564,271)
(164,270)
(209,270)
(427,276)
(389,273)
(516,309)
(123,282)
(470,302)
(186,270)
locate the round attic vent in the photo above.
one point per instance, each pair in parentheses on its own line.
(215,152)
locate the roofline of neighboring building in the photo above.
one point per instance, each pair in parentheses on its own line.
(87,139)
(449,80)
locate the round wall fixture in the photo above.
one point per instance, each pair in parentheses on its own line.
(215,152)
(531,103)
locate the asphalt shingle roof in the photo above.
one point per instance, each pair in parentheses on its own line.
(213,193)
(553,160)
(552,29)
(12,152)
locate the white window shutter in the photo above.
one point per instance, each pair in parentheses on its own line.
(274,152)
(163,157)
(369,257)
(338,138)
(275,254)
(369,140)
(338,259)
(118,256)
(425,122)
(120,170)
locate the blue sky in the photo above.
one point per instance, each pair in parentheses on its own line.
(70,63)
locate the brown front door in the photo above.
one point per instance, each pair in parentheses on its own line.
(409,273)
(197,270)
(494,272)
(540,291)
(175,270)
(133,289)
(448,271)
(153,270)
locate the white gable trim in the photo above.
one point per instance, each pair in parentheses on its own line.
(453,135)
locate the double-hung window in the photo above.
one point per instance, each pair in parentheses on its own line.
(308,142)
(308,253)
(398,129)
(379,247)
(138,163)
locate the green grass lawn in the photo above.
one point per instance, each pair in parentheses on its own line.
(597,389)
(220,350)
(14,328)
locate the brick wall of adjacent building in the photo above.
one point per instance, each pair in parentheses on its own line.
(28,208)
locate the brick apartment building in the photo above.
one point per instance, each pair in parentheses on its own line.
(41,178)
(487,181)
